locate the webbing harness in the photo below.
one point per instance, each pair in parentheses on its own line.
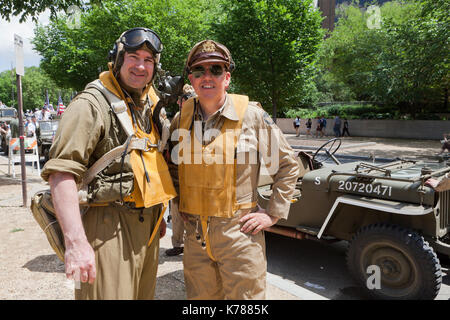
(119,107)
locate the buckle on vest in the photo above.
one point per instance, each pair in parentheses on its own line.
(119,106)
(149,145)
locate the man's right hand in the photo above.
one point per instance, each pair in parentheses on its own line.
(79,256)
(80,261)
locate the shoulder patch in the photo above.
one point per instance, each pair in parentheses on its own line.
(268,119)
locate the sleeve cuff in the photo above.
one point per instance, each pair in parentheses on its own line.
(63,165)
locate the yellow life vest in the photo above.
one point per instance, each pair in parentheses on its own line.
(159,189)
(207,173)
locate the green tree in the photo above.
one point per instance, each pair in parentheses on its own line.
(74,56)
(8,88)
(403,63)
(32,8)
(35,82)
(274,45)
(415,63)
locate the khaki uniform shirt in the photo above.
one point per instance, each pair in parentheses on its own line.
(260,140)
(77,141)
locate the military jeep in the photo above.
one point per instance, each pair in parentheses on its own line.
(7,115)
(45,134)
(392,221)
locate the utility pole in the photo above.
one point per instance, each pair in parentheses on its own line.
(18,46)
(12,84)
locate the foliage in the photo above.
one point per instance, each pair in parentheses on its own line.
(7,87)
(75,56)
(349,111)
(34,84)
(274,45)
(32,8)
(404,63)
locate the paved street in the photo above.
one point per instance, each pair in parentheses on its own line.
(300,270)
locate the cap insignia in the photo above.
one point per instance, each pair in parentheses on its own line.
(208,46)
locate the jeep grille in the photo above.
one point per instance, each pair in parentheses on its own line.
(444,208)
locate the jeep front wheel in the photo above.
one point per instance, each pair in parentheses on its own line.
(406,265)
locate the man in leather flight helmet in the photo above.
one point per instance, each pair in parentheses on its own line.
(113,247)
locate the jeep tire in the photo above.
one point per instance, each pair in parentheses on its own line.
(408,266)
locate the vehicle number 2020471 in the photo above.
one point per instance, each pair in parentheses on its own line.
(365,188)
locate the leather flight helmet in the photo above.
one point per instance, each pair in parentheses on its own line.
(132,40)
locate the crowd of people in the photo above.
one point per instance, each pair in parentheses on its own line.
(321,125)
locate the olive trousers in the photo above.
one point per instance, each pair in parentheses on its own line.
(239,271)
(126,267)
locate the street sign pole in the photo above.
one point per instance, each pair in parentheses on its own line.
(18,46)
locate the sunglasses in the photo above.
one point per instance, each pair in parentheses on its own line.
(216,70)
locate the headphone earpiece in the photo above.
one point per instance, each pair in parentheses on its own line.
(232,66)
(113,53)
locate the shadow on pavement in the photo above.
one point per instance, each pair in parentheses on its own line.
(314,266)
(46,263)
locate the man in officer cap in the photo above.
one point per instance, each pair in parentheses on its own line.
(222,140)
(113,247)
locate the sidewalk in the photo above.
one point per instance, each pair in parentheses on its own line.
(383,147)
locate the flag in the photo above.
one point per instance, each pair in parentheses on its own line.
(61,107)
(47,102)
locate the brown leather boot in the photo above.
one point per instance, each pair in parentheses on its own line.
(174,251)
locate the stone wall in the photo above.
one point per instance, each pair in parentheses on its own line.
(405,129)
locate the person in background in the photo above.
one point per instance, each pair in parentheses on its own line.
(308,127)
(445,143)
(177,221)
(297,126)
(337,126)
(345,129)
(318,126)
(323,126)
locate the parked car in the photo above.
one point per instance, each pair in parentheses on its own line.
(45,134)
(393,222)
(7,115)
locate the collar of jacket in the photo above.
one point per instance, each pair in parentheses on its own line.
(227,110)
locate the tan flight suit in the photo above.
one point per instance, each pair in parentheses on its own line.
(125,265)
(239,269)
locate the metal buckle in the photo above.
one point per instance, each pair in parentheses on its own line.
(149,145)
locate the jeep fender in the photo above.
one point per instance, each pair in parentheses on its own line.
(375,204)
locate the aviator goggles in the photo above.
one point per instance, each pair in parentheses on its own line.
(136,37)
(215,70)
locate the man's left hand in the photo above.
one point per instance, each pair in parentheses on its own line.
(257,221)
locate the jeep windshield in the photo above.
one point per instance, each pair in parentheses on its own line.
(8,113)
(48,125)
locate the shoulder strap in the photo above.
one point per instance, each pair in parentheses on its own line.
(186,114)
(118,106)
